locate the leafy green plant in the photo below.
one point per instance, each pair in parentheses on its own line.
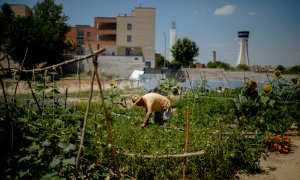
(169,87)
(47,145)
(265,110)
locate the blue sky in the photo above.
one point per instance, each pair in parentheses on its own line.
(274,25)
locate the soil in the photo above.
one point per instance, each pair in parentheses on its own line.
(279,166)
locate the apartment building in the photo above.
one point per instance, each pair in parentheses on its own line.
(138,31)
(20,9)
(125,35)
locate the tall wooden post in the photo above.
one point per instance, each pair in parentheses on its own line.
(107,120)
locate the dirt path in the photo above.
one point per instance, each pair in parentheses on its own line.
(279,166)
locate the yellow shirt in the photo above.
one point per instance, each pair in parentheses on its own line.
(156,102)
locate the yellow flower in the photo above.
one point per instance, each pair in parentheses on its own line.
(277,73)
(41,65)
(112,84)
(267,88)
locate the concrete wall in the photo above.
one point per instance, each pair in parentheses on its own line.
(212,74)
(120,66)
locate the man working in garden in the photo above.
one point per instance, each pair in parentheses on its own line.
(157,103)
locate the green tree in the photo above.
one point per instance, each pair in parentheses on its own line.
(280,68)
(184,51)
(41,35)
(162,62)
(242,67)
(6,18)
(219,64)
(294,69)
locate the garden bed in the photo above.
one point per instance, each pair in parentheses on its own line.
(45,135)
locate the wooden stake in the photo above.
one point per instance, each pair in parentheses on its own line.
(66,98)
(107,120)
(83,129)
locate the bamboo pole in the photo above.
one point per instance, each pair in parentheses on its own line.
(33,95)
(15,92)
(186,147)
(166,156)
(66,98)
(107,119)
(63,63)
(83,128)
(4,94)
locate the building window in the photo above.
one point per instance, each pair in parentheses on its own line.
(80,42)
(80,33)
(128,51)
(148,64)
(129,26)
(129,38)
(107,26)
(108,37)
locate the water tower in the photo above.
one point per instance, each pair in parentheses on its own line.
(243,57)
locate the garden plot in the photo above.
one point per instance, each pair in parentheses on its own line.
(47,142)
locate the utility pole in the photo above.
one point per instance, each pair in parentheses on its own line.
(165,49)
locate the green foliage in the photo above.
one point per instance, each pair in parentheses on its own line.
(224,157)
(243,67)
(162,62)
(280,68)
(169,87)
(41,34)
(266,110)
(6,18)
(46,144)
(219,64)
(70,45)
(59,142)
(294,69)
(184,51)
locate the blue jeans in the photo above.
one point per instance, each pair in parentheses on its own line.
(164,117)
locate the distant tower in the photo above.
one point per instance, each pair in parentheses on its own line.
(214,59)
(172,38)
(243,57)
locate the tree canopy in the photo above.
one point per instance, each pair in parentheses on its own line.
(38,37)
(219,64)
(294,69)
(184,51)
(243,67)
(162,62)
(6,18)
(280,68)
